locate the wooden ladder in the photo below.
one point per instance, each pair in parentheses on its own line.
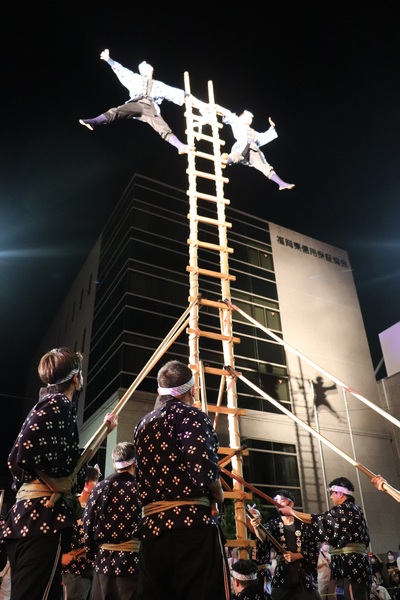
(206,197)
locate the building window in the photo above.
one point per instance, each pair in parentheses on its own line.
(271,466)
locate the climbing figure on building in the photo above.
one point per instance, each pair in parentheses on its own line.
(246,149)
(145,96)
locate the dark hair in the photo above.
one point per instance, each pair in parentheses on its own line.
(173,374)
(123,451)
(92,473)
(245,567)
(343,482)
(285,494)
(58,364)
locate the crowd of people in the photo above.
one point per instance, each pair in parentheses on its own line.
(152,528)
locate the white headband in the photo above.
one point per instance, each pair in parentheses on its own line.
(241,577)
(66,378)
(123,464)
(177,391)
(339,488)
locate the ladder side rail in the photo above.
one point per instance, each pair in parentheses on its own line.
(227,324)
(193,339)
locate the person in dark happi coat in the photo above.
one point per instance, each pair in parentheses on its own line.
(47,448)
(48,441)
(345,528)
(178,480)
(109,523)
(77,569)
(295,574)
(244,576)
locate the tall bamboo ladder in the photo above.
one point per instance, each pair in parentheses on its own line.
(199,115)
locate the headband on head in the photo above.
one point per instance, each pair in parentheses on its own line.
(339,488)
(66,378)
(123,464)
(282,496)
(241,577)
(177,391)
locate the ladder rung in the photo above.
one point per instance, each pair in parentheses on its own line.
(204,119)
(209,221)
(216,371)
(226,411)
(212,303)
(205,155)
(206,138)
(209,273)
(210,246)
(211,176)
(227,450)
(238,494)
(209,197)
(214,336)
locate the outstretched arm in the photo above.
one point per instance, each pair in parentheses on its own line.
(383,486)
(290,512)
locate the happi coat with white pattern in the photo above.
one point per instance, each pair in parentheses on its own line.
(176,454)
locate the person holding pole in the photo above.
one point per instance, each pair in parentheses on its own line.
(178,481)
(345,528)
(296,569)
(41,461)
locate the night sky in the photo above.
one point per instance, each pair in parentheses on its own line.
(326,72)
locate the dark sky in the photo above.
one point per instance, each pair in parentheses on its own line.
(327,72)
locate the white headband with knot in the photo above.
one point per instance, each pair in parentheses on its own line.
(241,577)
(123,464)
(339,488)
(66,378)
(178,390)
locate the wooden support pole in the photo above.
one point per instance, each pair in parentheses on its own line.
(388,488)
